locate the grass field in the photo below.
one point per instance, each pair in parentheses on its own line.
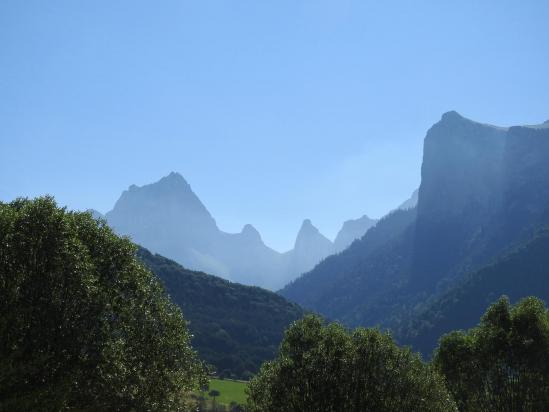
(229,391)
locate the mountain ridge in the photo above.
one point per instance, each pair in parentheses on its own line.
(483,190)
(168,218)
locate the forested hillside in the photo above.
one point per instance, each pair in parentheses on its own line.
(235,328)
(520,273)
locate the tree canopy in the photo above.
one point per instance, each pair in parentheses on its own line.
(83,325)
(325,368)
(503,363)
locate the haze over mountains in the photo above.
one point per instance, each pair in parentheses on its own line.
(483,199)
(484,191)
(168,218)
(477,228)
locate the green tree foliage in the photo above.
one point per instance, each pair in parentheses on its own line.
(326,368)
(83,325)
(503,363)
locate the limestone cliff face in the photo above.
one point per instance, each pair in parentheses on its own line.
(462,167)
(481,186)
(461,180)
(525,193)
(484,190)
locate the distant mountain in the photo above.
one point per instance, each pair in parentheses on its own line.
(411,202)
(234,327)
(95,214)
(483,189)
(309,249)
(168,218)
(342,284)
(351,231)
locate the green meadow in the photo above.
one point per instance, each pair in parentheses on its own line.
(229,391)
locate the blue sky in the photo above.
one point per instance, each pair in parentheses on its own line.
(273,111)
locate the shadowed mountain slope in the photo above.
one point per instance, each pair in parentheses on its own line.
(235,327)
(484,189)
(522,272)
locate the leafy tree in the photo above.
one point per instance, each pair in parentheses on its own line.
(83,325)
(214,393)
(326,368)
(503,363)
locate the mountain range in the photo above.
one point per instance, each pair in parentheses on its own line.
(484,193)
(168,218)
(476,228)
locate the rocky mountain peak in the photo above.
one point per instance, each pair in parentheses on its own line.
(174,182)
(251,233)
(308,227)
(309,237)
(452,115)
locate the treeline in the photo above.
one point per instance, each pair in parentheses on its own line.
(500,365)
(85,326)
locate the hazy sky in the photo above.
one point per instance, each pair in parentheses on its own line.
(274,111)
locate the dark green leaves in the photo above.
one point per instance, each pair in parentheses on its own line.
(503,364)
(326,368)
(83,324)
